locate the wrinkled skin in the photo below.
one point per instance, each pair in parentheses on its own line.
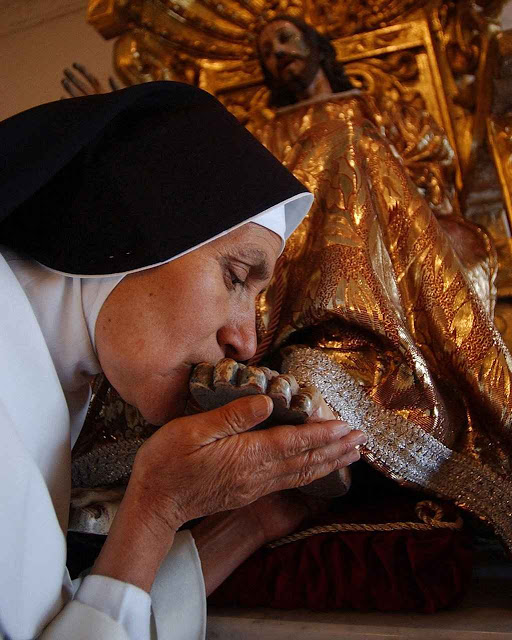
(219,465)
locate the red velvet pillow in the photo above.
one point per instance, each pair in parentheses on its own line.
(397,570)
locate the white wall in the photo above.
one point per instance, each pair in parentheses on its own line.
(32,60)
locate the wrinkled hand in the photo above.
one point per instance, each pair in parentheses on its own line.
(203,464)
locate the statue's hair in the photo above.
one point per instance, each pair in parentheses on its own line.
(334,71)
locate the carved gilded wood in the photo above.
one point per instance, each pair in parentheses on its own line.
(431,53)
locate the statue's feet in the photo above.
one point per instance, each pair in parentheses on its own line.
(213,386)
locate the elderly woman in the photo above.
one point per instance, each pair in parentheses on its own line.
(137,230)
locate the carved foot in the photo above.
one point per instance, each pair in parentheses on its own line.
(213,386)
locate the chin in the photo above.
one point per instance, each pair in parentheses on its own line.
(160,413)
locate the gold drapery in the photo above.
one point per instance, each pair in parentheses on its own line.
(389,317)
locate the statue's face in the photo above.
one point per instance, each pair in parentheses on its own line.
(287,56)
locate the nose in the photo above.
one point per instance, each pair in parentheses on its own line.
(238,341)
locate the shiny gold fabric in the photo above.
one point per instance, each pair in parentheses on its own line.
(393,308)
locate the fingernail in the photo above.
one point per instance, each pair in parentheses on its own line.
(357,438)
(354,455)
(261,406)
(341,429)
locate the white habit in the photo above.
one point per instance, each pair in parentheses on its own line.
(46,361)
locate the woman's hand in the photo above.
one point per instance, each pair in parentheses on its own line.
(226,539)
(203,464)
(209,463)
(279,514)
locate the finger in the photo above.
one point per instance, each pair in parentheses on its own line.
(308,474)
(92,80)
(71,90)
(330,447)
(76,82)
(288,441)
(113,84)
(338,450)
(233,418)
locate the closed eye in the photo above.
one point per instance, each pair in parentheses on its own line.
(235,280)
(247,267)
(235,276)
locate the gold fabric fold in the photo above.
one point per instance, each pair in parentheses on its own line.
(394,309)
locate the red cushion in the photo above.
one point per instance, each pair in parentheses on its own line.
(402,570)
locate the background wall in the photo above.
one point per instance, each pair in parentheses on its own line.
(39,38)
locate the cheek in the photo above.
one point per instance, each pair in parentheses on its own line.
(302,47)
(198,314)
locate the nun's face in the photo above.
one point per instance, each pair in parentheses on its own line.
(157,324)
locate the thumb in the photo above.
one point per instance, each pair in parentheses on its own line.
(236,417)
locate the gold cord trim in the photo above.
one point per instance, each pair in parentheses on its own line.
(423,511)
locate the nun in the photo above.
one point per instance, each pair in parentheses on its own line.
(136,230)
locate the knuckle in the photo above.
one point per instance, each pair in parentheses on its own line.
(322,434)
(305,476)
(345,447)
(257,460)
(338,464)
(352,455)
(314,457)
(301,441)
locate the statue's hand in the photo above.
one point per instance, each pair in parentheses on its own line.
(84,83)
(211,462)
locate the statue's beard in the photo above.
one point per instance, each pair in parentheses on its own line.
(298,83)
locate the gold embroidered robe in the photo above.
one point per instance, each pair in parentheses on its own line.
(390,312)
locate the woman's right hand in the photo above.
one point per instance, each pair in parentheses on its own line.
(207,463)
(202,464)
